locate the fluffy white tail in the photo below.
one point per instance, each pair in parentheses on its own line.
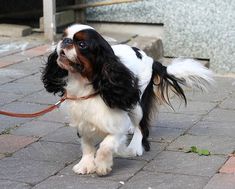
(191,73)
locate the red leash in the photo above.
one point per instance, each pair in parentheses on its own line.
(48,109)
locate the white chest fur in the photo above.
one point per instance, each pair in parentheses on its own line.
(92,116)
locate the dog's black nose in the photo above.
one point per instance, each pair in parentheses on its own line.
(66,42)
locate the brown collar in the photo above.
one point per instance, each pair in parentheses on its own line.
(66,97)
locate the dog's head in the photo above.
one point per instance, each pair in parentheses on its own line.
(83,51)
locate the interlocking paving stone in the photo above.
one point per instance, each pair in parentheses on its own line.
(229,166)
(64,134)
(29,67)
(50,151)
(38,51)
(226,129)
(185,163)
(54,116)
(36,128)
(214,94)
(228,103)
(193,107)
(175,120)
(7,184)
(11,59)
(41,97)
(19,89)
(221,181)
(221,115)
(12,143)
(76,182)
(123,169)
(28,171)
(7,123)
(156,148)
(161,134)
(215,144)
(6,98)
(157,180)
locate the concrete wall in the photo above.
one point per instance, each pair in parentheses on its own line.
(194,28)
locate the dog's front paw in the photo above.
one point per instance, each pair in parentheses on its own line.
(85,166)
(103,168)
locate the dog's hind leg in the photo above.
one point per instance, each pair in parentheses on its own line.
(136,142)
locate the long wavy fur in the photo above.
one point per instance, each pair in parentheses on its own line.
(166,82)
(116,84)
(54,77)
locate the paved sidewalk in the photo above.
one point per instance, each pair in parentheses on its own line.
(39,153)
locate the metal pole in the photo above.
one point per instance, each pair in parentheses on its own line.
(49,9)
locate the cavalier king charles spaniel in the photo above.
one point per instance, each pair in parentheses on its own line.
(122,85)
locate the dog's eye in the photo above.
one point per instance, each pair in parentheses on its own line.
(82,45)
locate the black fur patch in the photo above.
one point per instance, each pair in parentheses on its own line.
(146,103)
(137,52)
(53,77)
(78,134)
(115,83)
(167,81)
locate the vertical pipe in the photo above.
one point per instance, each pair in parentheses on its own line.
(49,9)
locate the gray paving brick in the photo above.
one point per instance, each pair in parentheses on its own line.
(215,144)
(175,120)
(9,74)
(228,103)
(214,94)
(27,171)
(221,115)
(5,79)
(156,148)
(12,143)
(6,98)
(54,116)
(161,134)
(64,134)
(50,151)
(76,182)
(29,67)
(10,122)
(226,129)
(123,169)
(165,181)
(7,184)
(221,181)
(36,128)
(193,107)
(19,88)
(185,163)
(41,97)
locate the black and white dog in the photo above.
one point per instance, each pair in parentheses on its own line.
(127,84)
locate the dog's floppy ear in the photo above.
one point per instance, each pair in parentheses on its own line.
(117,84)
(54,77)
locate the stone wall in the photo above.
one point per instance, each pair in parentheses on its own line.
(202,29)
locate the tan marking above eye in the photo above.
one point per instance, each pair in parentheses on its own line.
(81,36)
(65,34)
